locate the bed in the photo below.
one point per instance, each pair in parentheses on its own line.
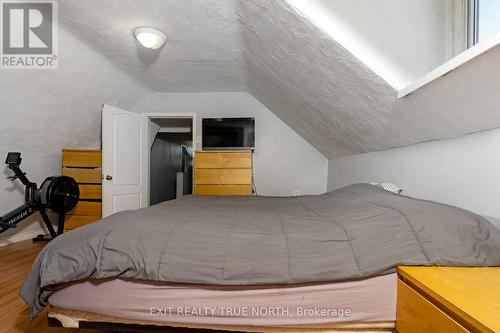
(248,246)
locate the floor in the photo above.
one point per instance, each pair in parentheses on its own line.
(15,262)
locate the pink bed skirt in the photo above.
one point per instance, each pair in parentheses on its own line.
(366,300)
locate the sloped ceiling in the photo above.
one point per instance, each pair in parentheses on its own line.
(311,82)
(339,104)
(266,47)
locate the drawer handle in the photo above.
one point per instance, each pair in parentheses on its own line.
(108,177)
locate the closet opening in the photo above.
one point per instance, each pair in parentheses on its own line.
(170,157)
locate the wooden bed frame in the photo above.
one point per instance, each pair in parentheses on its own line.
(59,317)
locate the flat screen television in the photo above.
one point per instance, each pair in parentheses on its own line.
(228,133)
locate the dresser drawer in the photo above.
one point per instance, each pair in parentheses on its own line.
(87,208)
(223,189)
(237,160)
(90,192)
(82,158)
(208,160)
(74,221)
(88,176)
(223,176)
(415,314)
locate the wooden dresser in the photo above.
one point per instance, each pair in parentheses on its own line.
(85,167)
(448,299)
(223,172)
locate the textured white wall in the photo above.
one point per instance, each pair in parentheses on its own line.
(464,172)
(283,161)
(43,111)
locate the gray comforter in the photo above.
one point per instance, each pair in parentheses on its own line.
(356,232)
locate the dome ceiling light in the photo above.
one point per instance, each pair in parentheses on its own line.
(150,38)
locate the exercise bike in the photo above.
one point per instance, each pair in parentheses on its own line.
(58,194)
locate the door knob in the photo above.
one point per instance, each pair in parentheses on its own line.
(108,177)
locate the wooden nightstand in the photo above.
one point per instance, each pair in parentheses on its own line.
(448,299)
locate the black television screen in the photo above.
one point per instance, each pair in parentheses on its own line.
(228,133)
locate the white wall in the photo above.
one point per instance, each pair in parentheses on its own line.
(400,40)
(283,161)
(464,172)
(44,111)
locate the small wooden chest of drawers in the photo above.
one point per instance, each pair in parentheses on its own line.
(85,167)
(448,299)
(227,172)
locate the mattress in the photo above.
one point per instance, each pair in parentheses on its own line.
(367,300)
(356,232)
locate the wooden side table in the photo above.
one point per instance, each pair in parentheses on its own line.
(448,299)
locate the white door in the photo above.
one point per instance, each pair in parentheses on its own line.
(125,155)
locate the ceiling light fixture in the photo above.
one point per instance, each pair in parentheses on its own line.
(150,38)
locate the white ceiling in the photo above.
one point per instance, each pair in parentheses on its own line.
(43,111)
(266,47)
(203,51)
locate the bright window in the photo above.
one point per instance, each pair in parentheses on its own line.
(487,19)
